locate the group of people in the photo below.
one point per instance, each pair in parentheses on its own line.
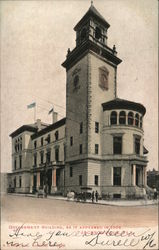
(95,196)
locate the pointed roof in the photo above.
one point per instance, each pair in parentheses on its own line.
(92,12)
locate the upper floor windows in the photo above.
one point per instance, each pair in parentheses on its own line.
(15,164)
(35,144)
(81,127)
(42,141)
(18,144)
(126,118)
(113,117)
(56,135)
(117,145)
(130,118)
(98,33)
(137,145)
(122,117)
(20,161)
(97,127)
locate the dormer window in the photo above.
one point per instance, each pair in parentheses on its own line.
(98,33)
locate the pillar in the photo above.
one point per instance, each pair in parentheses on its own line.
(134,175)
(31,183)
(53,187)
(38,180)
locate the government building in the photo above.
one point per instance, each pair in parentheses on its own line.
(99,145)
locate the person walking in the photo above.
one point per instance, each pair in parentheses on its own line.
(92,196)
(96,195)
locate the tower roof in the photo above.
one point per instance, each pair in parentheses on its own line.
(92,12)
(118,103)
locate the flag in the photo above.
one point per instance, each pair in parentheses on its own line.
(51,110)
(32,105)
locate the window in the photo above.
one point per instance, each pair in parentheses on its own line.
(117,176)
(71,140)
(20,161)
(80,148)
(56,135)
(15,164)
(81,127)
(113,118)
(20,181)
(96,127)
(122,117)
(15,182)
(42,141)
(21,146)
(130,118)
(80,180)
(35,144)
(48,139)
(140,121)
(98,33)
(137,120)
(48,156)
(83,34)
(96,180)
(56,154)
(137,145)
(117,145)
(71,171)
(96,149)
(35,159)
(42,157)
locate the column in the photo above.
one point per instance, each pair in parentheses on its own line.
(134,175)
(38,180)
(31,183)
(53,187)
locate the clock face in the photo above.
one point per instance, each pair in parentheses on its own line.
(103,79)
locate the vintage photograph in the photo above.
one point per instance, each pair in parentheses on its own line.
(79,124)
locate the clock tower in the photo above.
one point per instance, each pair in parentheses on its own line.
(91,69)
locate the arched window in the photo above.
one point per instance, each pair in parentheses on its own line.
(130,118)
(137,120)
(122,117)
(113,118)
(140,121)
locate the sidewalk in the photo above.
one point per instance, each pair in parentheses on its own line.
(122,203)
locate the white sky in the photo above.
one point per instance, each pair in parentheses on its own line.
(35,36)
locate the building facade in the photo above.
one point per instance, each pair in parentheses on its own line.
(99,145)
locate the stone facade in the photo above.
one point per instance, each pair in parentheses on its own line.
(99,145)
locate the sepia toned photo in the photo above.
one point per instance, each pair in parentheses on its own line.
(79,124)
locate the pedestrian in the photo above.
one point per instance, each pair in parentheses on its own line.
(45,191)
(155,194)
(96,195)
(92,196)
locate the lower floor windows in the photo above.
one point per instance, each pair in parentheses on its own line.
(117,176)
(20,181)
(96,180)
(71,171)
(80,180)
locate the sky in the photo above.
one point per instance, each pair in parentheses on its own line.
(35,36)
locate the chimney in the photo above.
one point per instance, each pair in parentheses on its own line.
(38,122)
(54,117)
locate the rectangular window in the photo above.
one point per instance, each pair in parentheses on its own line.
(48,156)
(71,171)
(71,140)
(96,149)
(96,180)
(137,145)
(80,148)
(42,157)
(117,145)
(35,160)
(20,161)
(15,182)
(56,135)
(35,144)
(97,127)
(15,164)
(48,139)
(80,180)
(56,154)
(81,127)
(117,176)
(42,141)
(20,181)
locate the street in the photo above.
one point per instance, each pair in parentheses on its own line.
(60,212)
